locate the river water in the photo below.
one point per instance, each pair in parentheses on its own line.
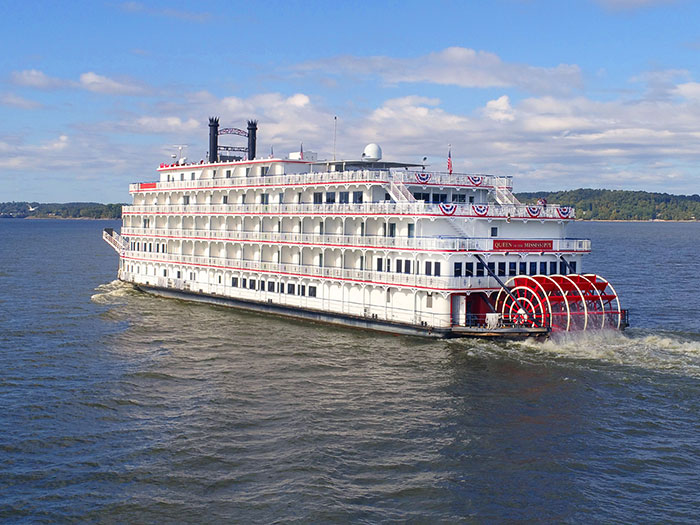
(122,407)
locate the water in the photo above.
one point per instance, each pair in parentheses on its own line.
(122,407)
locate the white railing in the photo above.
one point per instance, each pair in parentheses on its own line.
(408,280)
(490,210)
(115,240)
(477,244)
(330,177)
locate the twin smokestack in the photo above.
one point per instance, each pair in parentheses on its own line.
(214,138)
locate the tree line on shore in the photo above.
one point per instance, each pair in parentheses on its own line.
(68,210)
(590,204)
(622,205)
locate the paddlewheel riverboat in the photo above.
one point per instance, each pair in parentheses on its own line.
(390,246)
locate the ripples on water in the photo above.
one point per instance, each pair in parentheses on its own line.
(119,406)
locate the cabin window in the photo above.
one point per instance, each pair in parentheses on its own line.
(244,283)
(428,268)
(471,199)
(270,286)
(280,287)
(458,269)
(290,288)
(251,284)
(501,269)
(312,291)
(219,279)
(399,264)
(264,198)
(437,269)
(228,174)
(407,266)
(302,289)
(165,273)
(182,176)
(422,196)
(468,269)
(234,282)
(357,197)
(512,268)
(344,197)
(224,199)
(157,248)
(439,197)
(192,276)
(318,198)
(179,274)
(480,269)
(330,197)
(523,268)
(186,199)
(533,268)
(264,170)
(459,197)
(411,230)
(572,266)
(392,229)
(150,246)
(388,265)
(387,197)
(563,270)
(553,268)
(280,198)
(146,223)
(379,264)
(494,231)
(543,268)
(243,199)
(429,300)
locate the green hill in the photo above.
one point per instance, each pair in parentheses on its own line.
(68,210)
(622,204)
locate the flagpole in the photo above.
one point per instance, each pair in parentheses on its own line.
(335,132)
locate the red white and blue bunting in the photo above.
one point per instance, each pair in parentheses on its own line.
(534,211)
(447,208)
(476,180)
(423,178)
(564,212)
(482,210)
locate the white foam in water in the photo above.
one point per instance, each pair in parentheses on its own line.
(107,293)
(655,351)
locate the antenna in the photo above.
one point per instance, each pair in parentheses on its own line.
(335,133)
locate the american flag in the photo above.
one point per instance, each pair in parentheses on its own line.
(449,160)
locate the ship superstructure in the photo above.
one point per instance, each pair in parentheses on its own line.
(385,245)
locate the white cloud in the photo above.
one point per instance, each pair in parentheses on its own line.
(36,79)
(499,109)
(689,90)
(455,66)
(13,100)
(101,84)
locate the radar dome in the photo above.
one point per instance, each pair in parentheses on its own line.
(372,153)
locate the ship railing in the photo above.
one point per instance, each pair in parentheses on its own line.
(432,178)
(358,276)
(447,244)
(115,240)
(420,208)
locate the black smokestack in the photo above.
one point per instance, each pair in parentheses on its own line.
(252,132)
(213,139)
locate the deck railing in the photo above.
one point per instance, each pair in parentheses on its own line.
(350,176)
(447,244)
(485,210)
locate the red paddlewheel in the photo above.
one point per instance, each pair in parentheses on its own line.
(560,302)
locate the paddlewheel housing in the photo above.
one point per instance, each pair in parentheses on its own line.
(561,303)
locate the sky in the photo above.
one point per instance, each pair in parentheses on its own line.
(559,94)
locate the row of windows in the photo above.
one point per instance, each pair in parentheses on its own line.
(503,269)
(272,286)
(404,266)
(437,198)
(148,247)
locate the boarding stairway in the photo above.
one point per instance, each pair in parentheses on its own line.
(115,240)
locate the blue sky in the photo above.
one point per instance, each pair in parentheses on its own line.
(559,94)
